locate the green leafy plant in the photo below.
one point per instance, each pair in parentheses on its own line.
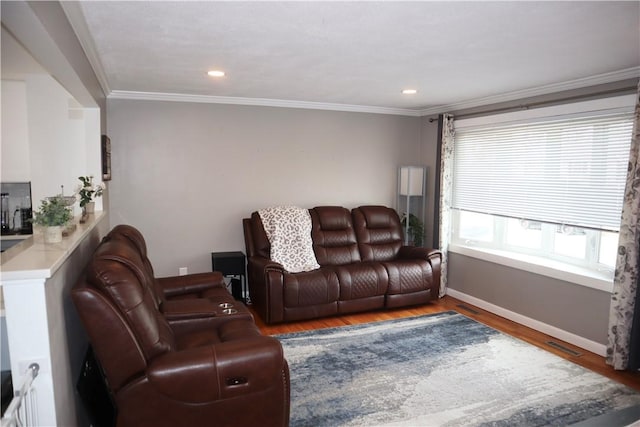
(87,191)
(53,212)
(416,228)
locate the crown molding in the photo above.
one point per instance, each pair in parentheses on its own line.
(262,102)
(611,77)
(615,76)
(78,23)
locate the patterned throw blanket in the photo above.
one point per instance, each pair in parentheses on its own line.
(288,229)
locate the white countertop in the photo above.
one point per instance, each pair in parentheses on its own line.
(38,260)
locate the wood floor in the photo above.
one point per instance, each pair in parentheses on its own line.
(583,358)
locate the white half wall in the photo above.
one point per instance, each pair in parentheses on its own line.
(186,174)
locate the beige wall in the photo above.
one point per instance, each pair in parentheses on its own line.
(186,174)
(568,306)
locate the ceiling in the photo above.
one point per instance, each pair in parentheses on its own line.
(357,55)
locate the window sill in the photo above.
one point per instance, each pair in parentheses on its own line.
(546,267)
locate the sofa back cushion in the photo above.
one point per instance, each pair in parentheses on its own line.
(117,272)
(378,231)
(261,245)
(334,239)
(111,337)
(132,236)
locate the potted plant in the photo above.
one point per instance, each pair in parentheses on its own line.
(416,229)
(52,215)
(87,192)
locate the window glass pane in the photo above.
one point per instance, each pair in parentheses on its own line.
(476,226)
(524,233)
(608,248)
(570,241)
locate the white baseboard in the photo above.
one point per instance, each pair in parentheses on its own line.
(586,344)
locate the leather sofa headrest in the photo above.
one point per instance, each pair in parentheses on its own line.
(333,218)
(376,216)
(132,234)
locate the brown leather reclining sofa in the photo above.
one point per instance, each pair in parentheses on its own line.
(363,266)
(173,350)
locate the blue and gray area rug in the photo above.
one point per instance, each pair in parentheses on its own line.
(438,370)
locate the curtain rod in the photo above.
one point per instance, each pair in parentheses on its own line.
(630,89)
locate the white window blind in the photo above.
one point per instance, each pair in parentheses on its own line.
(564,171)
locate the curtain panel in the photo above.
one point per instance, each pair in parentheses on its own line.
(446,194)
(623,350)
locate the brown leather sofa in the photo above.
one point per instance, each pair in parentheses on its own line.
(363,266)
(170,352)
(186,299)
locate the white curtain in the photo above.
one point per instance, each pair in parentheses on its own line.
(446,186)
(623,351)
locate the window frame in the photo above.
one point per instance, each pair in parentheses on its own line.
(587,271)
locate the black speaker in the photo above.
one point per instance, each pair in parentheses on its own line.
(228,263)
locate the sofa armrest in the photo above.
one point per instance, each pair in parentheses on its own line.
(190,284)
(219,371)
(413,252)
(433,256)
(186,309)
(263,264)
(266,285)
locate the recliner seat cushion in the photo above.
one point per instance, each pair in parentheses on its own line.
(311,288)
(407,276)
(362,280)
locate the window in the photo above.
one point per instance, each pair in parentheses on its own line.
(546,183)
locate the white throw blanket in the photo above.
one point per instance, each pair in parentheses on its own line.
(288,229)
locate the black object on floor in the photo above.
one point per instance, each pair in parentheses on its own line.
(232,264)
(95,394)
(7,390)
(236,289)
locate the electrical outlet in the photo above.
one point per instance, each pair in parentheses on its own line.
(182,271)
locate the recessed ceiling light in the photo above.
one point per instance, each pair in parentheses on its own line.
(216,73)
(409,91)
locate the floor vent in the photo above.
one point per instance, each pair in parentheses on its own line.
(563,348)
(467,308)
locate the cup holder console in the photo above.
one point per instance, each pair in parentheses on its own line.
(227,308)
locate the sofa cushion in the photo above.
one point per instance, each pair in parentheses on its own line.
(260,240)
(362,280)
(334,240)
(117,271)
(133,237)
(407,276)
(378,231)
(310,288)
